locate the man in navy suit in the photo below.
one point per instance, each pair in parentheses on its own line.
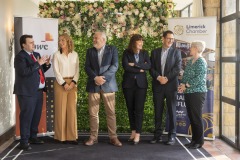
(165,68)
(29,86)
(101,65)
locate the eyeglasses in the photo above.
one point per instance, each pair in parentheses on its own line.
(170,39)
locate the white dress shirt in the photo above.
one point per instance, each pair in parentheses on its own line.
(164,58)
(65,66)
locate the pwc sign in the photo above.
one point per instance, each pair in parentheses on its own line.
(48,37)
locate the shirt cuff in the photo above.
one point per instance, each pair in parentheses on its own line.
(64,83)
(74,81)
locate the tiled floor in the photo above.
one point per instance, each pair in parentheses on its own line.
(221,150)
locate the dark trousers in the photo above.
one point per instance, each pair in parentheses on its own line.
(30,114)
(135,98)
(171,100)
(194,103)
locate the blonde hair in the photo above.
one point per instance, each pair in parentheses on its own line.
(200,45)
(70,44)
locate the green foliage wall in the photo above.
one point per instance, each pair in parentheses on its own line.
(81,19)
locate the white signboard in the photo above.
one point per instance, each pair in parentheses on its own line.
(45,35)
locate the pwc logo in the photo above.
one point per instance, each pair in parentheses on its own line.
(44,46)
(48,37)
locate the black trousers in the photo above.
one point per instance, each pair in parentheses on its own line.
(194,103)
(171,100)
(135,98)
(30,114)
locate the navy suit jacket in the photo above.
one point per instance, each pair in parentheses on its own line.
(171,70)
(108,68)
(132,73)
(27,77)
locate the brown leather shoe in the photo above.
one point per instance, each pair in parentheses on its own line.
(115,142)
(90,142)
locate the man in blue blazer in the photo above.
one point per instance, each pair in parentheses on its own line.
(29,86)
(101,65)
(165,68)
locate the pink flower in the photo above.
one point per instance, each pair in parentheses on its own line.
(116,1)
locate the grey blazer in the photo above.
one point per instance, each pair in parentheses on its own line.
(108,68)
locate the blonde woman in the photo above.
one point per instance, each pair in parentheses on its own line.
(66,70)
(194,87)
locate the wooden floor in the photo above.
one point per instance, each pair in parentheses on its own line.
(221,150)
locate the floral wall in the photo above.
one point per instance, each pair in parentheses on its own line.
(119,19)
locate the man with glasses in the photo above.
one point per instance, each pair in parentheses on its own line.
(165,68)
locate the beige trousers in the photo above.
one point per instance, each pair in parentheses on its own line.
(109,104)
(65,115)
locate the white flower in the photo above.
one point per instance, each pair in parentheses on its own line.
(57,5)
(68,19)
(136,12)
(89,33)
(111,5)
(78,32)
(145,23)
(141,15)
(76,17)
(72,5)
(95,5)
(159,4)
(144,8)
(129,13)
(115,11)
(115,26)
(153,7)
(62,6)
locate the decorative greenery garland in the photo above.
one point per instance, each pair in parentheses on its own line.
(119,19)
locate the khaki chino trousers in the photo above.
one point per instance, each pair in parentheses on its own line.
(109,104)
(65,117)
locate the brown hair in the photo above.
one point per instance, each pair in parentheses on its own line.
(70,44)
(132,43)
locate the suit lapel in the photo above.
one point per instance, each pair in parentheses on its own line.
(140,57)
(168,60)
(95,57)
(105,54)
(159,60)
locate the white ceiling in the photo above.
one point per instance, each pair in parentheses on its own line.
(180,4)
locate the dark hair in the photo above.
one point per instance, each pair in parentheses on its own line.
(132,43)
(23,39)
(166,33)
